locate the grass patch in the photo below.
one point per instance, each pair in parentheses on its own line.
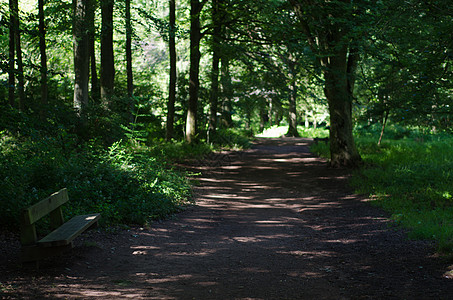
(410,176)
(412,180)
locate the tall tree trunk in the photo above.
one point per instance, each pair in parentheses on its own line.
(20,65)
(107,57)
(95,88)
(12,46)
(42,50)
(81,61)
(331,44)
(194,82)
(227,93)
(338,93)
(214,96)
(292,118)
(384,123)
(172,84)
(130,78)
(270,112)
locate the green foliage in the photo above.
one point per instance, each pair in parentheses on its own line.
(179,150)
(412,179)
(321,149)
(126,184)
(406,68)
(311,132)
(231,139)
(393,131)
(175,151)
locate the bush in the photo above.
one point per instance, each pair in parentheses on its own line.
(126,185)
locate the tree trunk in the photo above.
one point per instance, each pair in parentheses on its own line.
(95,88)
(42,50)
(107,57)
(384,123)
(227,93)
(81,61)
(194,83)
(337,91)
(270,112)
(172,84)
(11,65)
(130,78)
(330,43)
(215,69)
(20,65)
(292,129)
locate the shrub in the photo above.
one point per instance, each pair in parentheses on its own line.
(125,184)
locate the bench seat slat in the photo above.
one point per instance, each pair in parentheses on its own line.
(69,230)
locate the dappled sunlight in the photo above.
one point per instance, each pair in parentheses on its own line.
(344,241)
(259,238)
(191,254)
(143,247)
(90,290)
(231,167)
(221,195)
(277,224)
(214,180)
(169,278)
(309,254)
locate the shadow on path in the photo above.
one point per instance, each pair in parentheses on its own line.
(272,222)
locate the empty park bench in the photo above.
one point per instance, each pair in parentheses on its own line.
(60,239)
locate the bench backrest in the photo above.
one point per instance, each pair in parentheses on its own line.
(50,206)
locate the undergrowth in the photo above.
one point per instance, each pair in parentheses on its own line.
(129,181)
(127,184)
(412,178)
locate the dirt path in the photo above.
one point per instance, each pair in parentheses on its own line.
(272,222)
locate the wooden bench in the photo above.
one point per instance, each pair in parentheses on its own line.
(60,239)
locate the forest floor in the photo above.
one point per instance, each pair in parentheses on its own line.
(272,222)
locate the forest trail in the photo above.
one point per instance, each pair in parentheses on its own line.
(272,222)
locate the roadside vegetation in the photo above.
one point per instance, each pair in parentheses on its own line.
(102,96)
(128,181)
(411,176)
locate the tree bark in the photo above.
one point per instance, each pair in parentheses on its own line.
(107,57)
(130,80)
(384,123)
(81,61)
(214,96)
(227,93)
(331,45)
(95,88)
(194,82)
(12,46)
(343,151)
(130,74)
(42,50)
(20,65)
(292,129)
(172,84)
